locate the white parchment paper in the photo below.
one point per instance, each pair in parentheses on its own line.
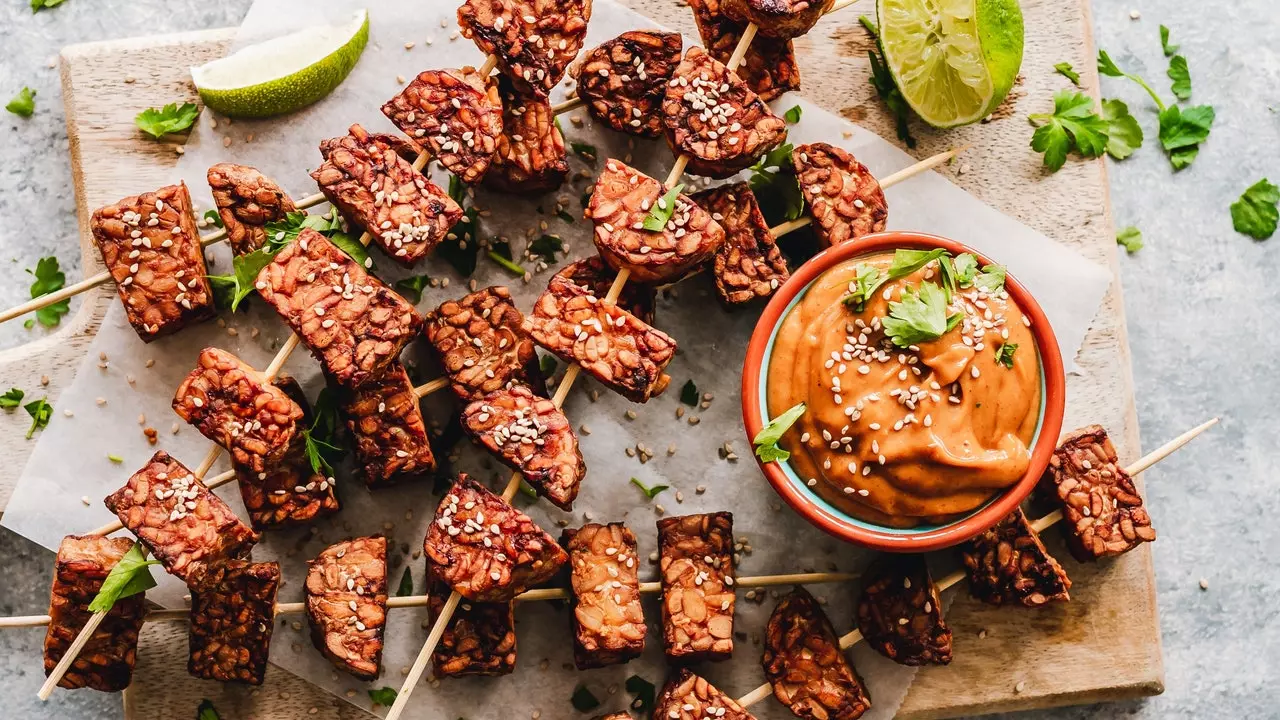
(124,385)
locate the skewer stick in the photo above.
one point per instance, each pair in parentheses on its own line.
(1146,461)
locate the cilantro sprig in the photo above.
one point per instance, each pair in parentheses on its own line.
(649,492)
(867,279)
(774,183)
(23,104)
(128,577)
(689,394)
(461,247)
(1004,354)
(643,691)
(583,699)
(41,412)
(882,80)
(12,398)
(660,212)
(406,583)
(206,711)
(1073,126)
(49,278)
(1181,129)
(171,118)
(230,290)
(1129,238)
(500,252)
(322,443)
(920,316)
(1255,214)
(766,441)
(383,696)
(547,247)
(411,287)
(1065,69)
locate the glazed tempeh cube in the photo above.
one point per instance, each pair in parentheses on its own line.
(480,638)
(1009,563)
(748,264)
(779,18)
(595,277)
(608,621)
(534,40)
(247,200)
(486,549)
(530,158)
(712,116)
(769,67)
(844,198)
(689,697)
(351,322)
(621,202)
(624,80)
(614,716)
(696,564)
(106,661)
(232,405)
(455,115)
(347,604)
(482,345)
(614,346)
(899,612)
(188,529)
(530,434)
(1102,510)
(371,184)
(386,423)
(231,624)
(151,247)
(805,665)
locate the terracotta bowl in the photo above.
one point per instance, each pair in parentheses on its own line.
(860,532)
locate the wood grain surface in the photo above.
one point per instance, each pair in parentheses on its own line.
(1104,645)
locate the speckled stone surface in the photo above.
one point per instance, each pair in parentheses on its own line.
(1201,302)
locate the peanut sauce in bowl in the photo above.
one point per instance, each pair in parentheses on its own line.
(932,389)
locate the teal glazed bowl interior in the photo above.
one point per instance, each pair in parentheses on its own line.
(804,500)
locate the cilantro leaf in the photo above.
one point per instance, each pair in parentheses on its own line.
(24,103)
(1180,74)
(321,440)
(1073,125)
(40,411)
(230,290)
(792,116)
(887,88)
(906,262)
(565,216)
(527,490)
(1124,134)
(1164,42)
(991,279)
(1255,214)
(920,316)
(662,210)
(966,266)
(689,394)
(213,218)
(406,583)
(49,278)
(352,247)
(206,711)
(460,248)
(169,119)
(867,279)
(128,577)
(870,26)
(547,246)
(644,692)
(585,151)
(383,696)
(774,183)
(547,364)
(11,399)
(649,492)
(766,441)
(412,286)
(583,699)
(1065,69)
(1004,354)
(500,252)
(1107,66)
(1130,239)
(1182,130)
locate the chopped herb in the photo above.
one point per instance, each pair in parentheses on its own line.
(565,216)
(1004,354)
(547,246)
(1130,239)
(527,490)
(406,584)
(547,364)
(413,286)
(1182,130)
(212,217)
(1180,74)
(1255,214)
(40,411)
(662,210)
(352,247)
(383,696)
(1169,50)
(766,441)
(49,278)
(906,262)
(321,441)
(460,248)
(644,692)
(583,700)
(129,577)
(11,399)
(500,252)
(24,103)
(991,279)
(1065,69)
(230,290)
(169,119)
(882,80)
(1072,126)
(37,5)
(866,281)
(792,116)
(774,183)
(585,151)
(115,458)
(689,394)
(920,316)
(869,25)
(1124,134)
(966,266)
(206,711)
(649,492)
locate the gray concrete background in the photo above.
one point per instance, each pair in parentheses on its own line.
(1201,301)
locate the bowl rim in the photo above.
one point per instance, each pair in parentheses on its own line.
(1053,402)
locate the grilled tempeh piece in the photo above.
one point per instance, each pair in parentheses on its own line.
(696,563)
(620,204)
(151,247)
(190,530)
(689,697)
(844,198)
(608,620)
(805,665)
(714,118)
(1101,507)
(454,113)
(748,264)
(106,661)
(1009,563)
(899,612)
(769,67)
(386,422)
(351,322)
(231,624)
(486,549)
(595,277)
(624,80)
(232,405)
(534,40)
(371,184)
(530,157)
(247,200)
(481,344)
(480,638)
(530,434)
(784,19)
(347,604)
(614,346)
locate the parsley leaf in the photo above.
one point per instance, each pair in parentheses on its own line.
(1073,125)
(547,364)
(991,279)
(774,182)
(213,218)
(1164,42)
(230,290)
(1065,69)
(906,262)
(206,711)
(406,583)
(352,247)
(649,492)
(662,210)
(644,692)
(583,699)
(1124,134)
(1130,239)
(383,696)
(1255,214)
(11,399)
(689,394)
(585,151)
(49,278)
(1182,130)
(920,316)
(792,116)
(169,119)
(128,577)
(412,286)
(966,266)
(766,441)
(1180,74)
(547,246)
(1004,354)
(321,441)
(500,252)
(882,80)
(24,103)
(867,280)
(40,411)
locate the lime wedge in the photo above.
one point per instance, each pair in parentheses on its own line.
(953,60)
(283,74)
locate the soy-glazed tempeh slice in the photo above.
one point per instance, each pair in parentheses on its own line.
(769,68)
(689,697)
(784,19)
(608,620)
(482,345)
(530,156)
(748,265)
(347,604)
(624,80)
(533,40)
(1009,564)
(595,277)
(805,665)
(247,200)
(386,424)
(456,114)
(480,638)
(899,613)
(844,198)
(231,624)
(696,565)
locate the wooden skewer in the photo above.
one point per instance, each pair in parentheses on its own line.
(854,637)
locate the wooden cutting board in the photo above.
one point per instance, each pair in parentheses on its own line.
(1104,645)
